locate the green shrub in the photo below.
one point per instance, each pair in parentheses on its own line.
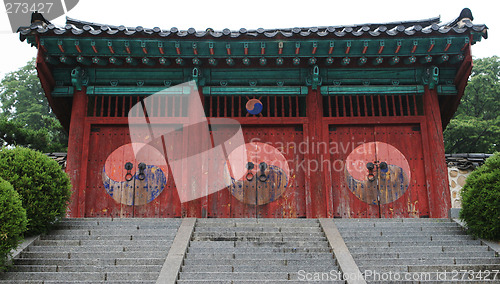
(12,221)
(481,200)
(44,187)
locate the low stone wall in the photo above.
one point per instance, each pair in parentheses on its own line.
(457,179)
(460,166)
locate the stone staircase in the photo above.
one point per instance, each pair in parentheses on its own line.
(253,251)
(256,251)
(429,249)
(95,251)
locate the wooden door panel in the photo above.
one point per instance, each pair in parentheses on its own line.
(397,190)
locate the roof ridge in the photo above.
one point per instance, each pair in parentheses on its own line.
(424,22)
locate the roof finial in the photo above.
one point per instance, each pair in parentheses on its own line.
(465,15)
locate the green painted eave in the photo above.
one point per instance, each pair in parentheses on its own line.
(258,77)
(320,47)
(372,90)
(251,91)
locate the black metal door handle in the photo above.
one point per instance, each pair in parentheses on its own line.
(262,175)
(141,168)
(128,176)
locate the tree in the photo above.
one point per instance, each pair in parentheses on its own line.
(26,118)
(481,200)
(476,124)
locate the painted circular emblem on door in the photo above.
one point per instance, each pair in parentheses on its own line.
(135,179)
(387,180)
(266,175)
(254,106)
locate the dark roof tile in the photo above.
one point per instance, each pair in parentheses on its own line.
(404,28)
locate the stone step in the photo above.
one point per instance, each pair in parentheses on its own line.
(123,220)
(261,256)
(429,268)
(90,248)
(393,226)
(59,276)
(254,225)
(84,255)
(377,233)
(90,262)
(255,221)
(392,220)
(107,237)
(256,239)
(484,250)
(225,244)
(75,282)
(425,261)
(261,250)
(87,268)
(194,281)
(259,268)
(103,225)
(466,267)
(114,231)
(262,234)
(103,282)
(409,255)
(239,262)
(291,230)
(69,243)
(233,276)
(112,276)
(282,244)
(410,237)
(424,243)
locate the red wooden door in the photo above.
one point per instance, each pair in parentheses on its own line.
(378,171)
(272,186)
(123,184)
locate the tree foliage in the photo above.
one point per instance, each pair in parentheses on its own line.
(12,221)
(44,187)
(476,124)
(26,118)
(481,200)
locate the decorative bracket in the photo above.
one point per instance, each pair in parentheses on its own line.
(197,77)
(79,78)
(315,79)
(431,77)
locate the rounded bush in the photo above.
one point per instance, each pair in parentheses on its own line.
(43,186)
(12,221)
(481,200)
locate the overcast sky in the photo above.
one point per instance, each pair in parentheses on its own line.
(235,14)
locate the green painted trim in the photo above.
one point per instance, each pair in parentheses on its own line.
(372,90)
(62,92)
(137,91)
(447,90)
(244,91)
(169,47)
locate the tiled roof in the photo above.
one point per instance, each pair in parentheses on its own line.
(407,28)
(466,161)
(60,158)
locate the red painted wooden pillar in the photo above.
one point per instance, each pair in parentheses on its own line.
(315,191)
(75,150)
(437,173)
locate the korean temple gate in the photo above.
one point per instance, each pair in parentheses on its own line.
(354,114)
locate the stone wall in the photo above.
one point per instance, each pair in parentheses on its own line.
(459,168)
(457,179)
